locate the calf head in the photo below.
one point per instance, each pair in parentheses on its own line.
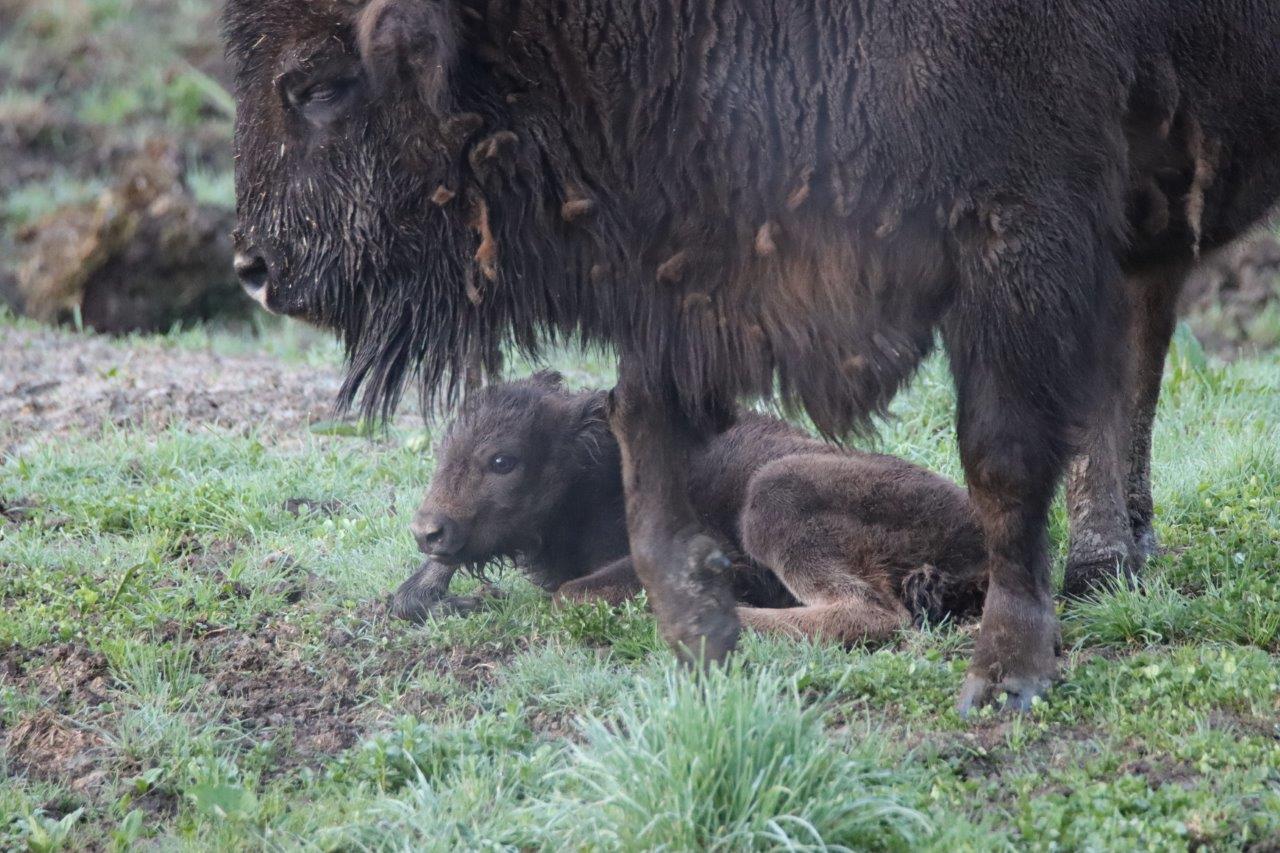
(506,469)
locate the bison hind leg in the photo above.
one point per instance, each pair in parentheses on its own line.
(809,518)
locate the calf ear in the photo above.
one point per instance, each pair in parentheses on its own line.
(552,380)
(592,421)
(412,41)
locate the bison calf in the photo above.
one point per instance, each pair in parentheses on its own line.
(825,543)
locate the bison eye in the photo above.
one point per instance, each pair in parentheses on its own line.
(321,102)
(503,464)
(327,93)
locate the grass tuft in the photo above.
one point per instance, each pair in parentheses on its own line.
(730,761)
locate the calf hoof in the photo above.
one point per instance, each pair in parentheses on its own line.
(1084,577)
(417,610)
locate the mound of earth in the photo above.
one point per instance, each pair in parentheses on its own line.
(141,257)
(1233,301)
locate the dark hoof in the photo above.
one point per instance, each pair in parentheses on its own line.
(1016,657)
(701,624)
(1084,578)
(1011,694)
(1146,544)
(419,610)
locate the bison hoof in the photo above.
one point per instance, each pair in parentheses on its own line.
(1013,694)
(696,607)
(1085,577)
(1016,658)
(1146,544)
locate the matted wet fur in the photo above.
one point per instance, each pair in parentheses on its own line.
(826,543)
(774,196)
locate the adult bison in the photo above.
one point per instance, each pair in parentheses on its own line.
(774,197)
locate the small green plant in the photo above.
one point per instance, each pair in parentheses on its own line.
(46,835)
(627,630)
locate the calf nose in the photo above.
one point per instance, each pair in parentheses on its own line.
(437,535)
(254,274)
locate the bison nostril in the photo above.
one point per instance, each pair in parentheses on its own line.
(253,272)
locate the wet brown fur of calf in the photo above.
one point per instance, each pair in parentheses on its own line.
(824,542)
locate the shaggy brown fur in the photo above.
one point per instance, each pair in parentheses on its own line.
(758,196)
(825,543)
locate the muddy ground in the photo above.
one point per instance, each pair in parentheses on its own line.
(53,382)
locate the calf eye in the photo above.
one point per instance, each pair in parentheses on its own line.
(503,464)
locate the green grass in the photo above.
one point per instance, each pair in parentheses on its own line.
(237,699)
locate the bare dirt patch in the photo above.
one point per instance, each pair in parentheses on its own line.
(58,741)
(54,382)
(270,689)
(65,675)
(273,683)
(47,745)
(321,702)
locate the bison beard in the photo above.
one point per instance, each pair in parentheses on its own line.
(783,197)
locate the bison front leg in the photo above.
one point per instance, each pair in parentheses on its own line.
(682,569)
(613,584)
(1030,338)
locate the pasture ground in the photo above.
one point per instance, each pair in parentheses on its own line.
(194,649)
(194,652)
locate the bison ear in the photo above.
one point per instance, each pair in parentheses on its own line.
(411,41)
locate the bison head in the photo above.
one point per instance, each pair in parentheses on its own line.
(342,169)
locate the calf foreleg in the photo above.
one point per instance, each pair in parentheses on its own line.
(426,593)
